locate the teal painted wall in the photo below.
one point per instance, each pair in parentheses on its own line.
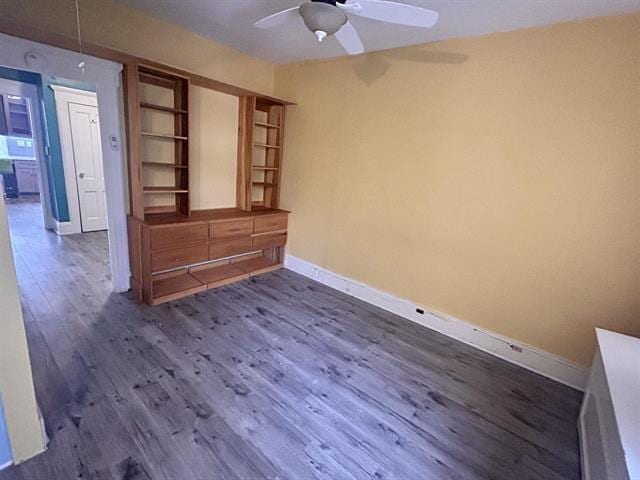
(53,161)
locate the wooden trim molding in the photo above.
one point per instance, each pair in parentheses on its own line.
(14,29)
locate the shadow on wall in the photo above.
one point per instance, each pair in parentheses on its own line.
(370,68)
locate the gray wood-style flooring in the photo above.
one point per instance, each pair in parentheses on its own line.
(272,377)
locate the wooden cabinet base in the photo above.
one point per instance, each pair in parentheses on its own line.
(184,282)
(180,257)
(174,286)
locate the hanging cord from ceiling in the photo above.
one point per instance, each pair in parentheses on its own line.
(82,64)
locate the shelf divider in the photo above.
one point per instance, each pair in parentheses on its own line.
(162,108)
(266,125)
(164,164)
(264,145)
(163,135)
(150,189)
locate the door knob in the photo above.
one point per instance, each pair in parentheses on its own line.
(81,175)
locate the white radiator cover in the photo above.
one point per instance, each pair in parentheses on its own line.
(609,421)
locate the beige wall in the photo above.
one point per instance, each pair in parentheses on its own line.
(113,25)
(213,143)
(496,179)
(16,383)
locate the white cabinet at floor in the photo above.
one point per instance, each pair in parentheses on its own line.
(26,176)
(610,417)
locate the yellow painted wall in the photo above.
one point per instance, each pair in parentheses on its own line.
(114,25)
(16,382)
(496,179)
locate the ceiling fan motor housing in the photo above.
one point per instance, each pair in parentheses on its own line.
(322,17)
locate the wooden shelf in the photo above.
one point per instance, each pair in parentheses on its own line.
(163,190)
(266,125)
(173,286)
(219,274)
(163,135)
(260,167)
(181,283)
(164,164)
(162,108)
(264,145)
(155,78)
(153,210)
(257,265)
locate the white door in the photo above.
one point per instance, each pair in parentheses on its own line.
(87,156)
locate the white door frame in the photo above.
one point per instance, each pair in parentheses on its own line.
(64,96)
(105,75)
(30,91)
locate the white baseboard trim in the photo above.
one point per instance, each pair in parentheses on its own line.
(526,356)
(5,465)
(64,228)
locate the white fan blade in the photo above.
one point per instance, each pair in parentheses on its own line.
(349,39)
(277,19)
(393,12)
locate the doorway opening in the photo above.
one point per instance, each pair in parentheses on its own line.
(50,151)
(66,217)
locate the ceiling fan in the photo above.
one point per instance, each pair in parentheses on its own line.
(330,17)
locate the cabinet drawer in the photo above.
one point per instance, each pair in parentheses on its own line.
(179,236)
(228,248)
(179,257)
(25,165)
(270,223)
(269,241)
(231,228)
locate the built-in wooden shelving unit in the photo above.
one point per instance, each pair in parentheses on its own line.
(175,251)
(259,152)
(172,194)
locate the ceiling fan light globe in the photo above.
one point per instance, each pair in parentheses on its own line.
(322,17)
(320,35)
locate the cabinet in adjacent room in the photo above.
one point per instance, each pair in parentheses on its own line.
(27,176)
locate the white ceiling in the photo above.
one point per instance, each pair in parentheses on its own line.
(230,22)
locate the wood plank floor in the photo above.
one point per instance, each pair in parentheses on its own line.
(273,377)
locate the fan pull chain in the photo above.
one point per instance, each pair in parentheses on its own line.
(82,64)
